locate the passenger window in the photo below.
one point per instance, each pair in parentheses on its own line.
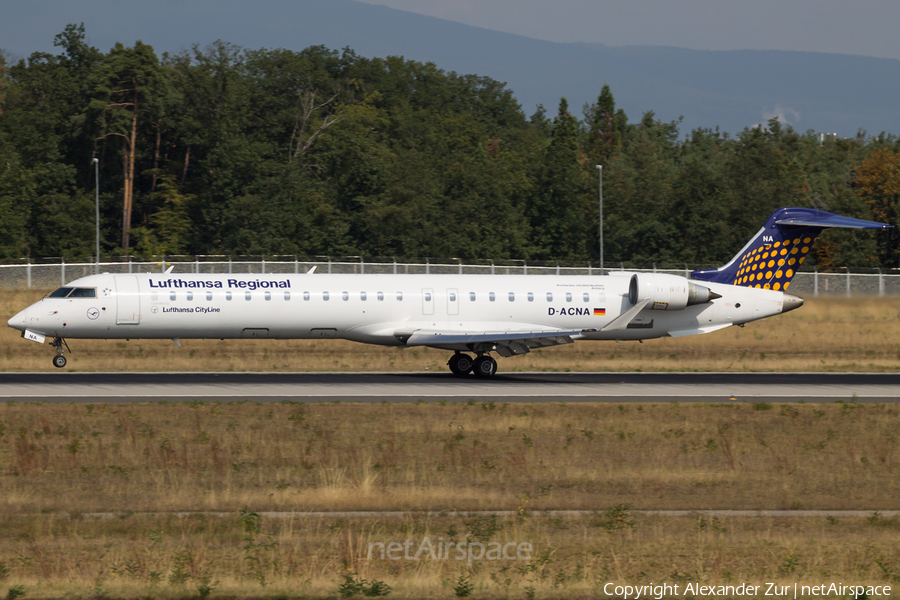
(268,296)
(452,297)
(190,295)
(427,297)
(209,296)
(306,295)
(549,296)
(228,296)
(399,296)
(287,295)
(512,296)
(153,296)
(471,296)
(171,295)
(362,296)
(530,296)
(492,297)
(601,297)
(345,296)
(381,296)
(325,296)
(247,295)
(568,296)
(587,297)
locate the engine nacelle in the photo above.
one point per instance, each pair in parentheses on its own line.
(667,292)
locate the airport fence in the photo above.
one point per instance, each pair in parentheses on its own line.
(49,275)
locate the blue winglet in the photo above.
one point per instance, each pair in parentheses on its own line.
(771,259)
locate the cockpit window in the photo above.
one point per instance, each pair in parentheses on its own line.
(67,292)
(83,293)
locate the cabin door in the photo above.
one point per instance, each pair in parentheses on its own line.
(128,300)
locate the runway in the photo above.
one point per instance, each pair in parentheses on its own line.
(431,387)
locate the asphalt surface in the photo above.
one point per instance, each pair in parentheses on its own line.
(412,387)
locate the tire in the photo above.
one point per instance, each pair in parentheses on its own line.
(485,367)
(460,364)
(59,361)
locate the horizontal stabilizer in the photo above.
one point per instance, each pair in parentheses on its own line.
(823,219)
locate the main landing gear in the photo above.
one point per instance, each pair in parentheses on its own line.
(462,364)
(59,361)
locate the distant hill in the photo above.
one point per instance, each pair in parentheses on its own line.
(730,90)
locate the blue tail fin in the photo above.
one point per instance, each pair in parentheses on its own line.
(772,257)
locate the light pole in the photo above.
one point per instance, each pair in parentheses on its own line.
(96,162)
(600,170)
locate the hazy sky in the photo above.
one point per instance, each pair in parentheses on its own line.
(865,27)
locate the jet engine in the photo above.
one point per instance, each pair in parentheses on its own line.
(667,292)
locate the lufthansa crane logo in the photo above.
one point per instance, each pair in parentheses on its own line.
(93,313)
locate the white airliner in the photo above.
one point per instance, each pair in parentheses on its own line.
(467,314)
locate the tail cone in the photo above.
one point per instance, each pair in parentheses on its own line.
(791,302)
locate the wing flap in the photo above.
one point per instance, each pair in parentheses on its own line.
(698,330)
(532,338)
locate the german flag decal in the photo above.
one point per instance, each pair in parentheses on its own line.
(599,312)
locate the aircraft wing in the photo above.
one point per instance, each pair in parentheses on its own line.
(505,343)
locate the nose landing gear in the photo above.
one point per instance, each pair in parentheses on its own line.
(59,361)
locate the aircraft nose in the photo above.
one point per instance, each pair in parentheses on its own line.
(791,302)
(19,321)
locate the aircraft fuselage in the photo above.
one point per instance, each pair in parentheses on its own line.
(371,308)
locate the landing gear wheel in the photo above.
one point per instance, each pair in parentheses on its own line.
(484,366)
(460,364)
(59,361)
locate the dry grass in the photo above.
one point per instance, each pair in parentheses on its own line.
(165,557)
(827,334)
(287,456)
(62,461)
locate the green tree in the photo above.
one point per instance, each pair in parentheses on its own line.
(640,183)
(131,85)
(605,127)
(702,202)
(878,184)
(170,228)
(558,212)
(16,196)
(213,152)
(43,95)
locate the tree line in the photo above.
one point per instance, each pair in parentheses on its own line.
(225,150)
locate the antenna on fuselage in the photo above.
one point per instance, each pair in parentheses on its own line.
(311,271)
